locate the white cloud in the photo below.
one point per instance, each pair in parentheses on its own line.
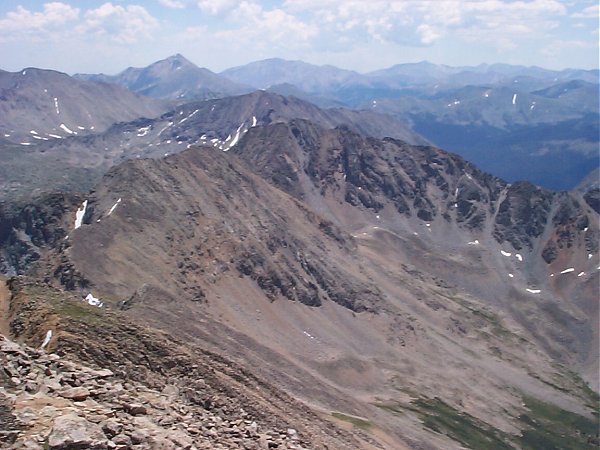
(217,7)
(175,4)
(275,28)
(23,23)
(428,34)
(591,12)
(558,46)
(423,22)
(119,24)
(61,22)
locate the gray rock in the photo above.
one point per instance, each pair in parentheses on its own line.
(111,427)
(76,394)
(122,439)
(102,373)
(135,409)
(73,432)
(137,437)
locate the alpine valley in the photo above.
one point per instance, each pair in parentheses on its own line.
(192,263)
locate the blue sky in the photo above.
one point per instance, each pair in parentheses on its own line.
(98,36)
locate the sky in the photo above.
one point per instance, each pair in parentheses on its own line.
(90,36)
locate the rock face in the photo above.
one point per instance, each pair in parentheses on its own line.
(26,230)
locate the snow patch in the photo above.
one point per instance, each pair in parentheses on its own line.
(519,257)
(143,131)
(6,135)
(191,115)
(56,105)
(236,138)
(590,256)
(56,136)
(511,275)
(570,269)
(47,339)
(113,207)
(80,127)
(514,100)
(161,131)
(580,274)
(505,253)
(80,214)
(25,143)
(254,121)
(475,242)
(33,132)
(533,291)
(308,334)
(65,128)
(93,301)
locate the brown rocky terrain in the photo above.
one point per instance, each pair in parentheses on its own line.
(151,391)
(393,288)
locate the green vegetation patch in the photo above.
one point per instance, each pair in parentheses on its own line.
(461,427)
(358,422)
(80,311)
(549,427)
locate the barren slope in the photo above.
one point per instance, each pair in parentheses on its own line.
(376,301)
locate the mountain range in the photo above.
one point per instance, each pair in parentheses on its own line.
(514,121)
(174,78)
(254,271)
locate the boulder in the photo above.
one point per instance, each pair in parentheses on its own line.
(73,432)
(76,394)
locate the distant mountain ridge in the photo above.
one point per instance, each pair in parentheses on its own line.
(173,78)
(219,123)
(520,123)
(38,105)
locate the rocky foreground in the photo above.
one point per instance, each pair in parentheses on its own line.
(50,402)
(97,382)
